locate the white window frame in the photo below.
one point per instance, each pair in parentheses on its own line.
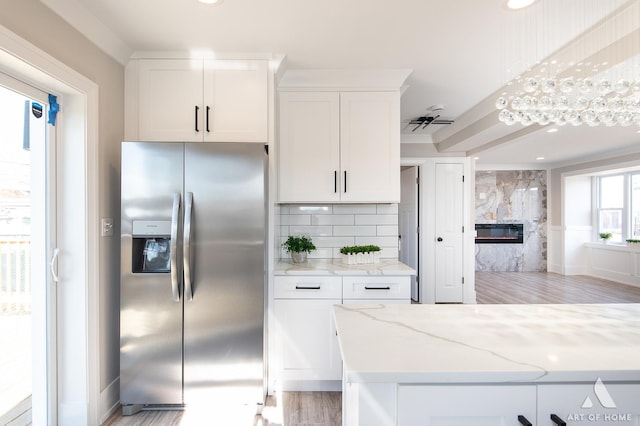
(626,210)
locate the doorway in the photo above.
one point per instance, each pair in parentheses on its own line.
(408,224)
(26,240)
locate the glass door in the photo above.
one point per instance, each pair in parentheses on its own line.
(27,241)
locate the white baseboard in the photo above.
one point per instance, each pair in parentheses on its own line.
(73,413)
(554,267)
(622,278)
(109,400)
(576,270)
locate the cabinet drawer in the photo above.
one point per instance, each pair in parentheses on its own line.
(377,301)
(376,288)
(307,287)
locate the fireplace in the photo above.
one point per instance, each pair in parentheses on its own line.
(499,233)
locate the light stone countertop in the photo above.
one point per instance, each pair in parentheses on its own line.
(489,343)
(336,267)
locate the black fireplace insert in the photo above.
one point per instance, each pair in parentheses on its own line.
(499,233)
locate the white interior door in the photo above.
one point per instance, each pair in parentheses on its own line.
(27,239)
(449,232)
(408,223)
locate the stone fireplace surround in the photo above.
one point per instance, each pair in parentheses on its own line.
(513,196)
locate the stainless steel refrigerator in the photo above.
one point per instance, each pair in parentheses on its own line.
(192,274)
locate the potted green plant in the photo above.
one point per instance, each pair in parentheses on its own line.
(360,254)
(605,236)
(299,247)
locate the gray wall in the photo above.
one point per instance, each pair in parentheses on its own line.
(35,23)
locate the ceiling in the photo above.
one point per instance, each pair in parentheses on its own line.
(462,53)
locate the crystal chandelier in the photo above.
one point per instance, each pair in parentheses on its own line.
(574,101)
(593,80)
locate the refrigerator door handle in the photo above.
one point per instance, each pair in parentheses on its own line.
(175,214)
(186,252)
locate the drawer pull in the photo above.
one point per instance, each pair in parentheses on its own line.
(377,288)
(305,287)
(524,421)
(557,420)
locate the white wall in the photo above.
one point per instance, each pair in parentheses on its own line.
(577,223)
(614,262)
(35,23)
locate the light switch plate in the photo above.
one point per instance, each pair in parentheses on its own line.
(106,227)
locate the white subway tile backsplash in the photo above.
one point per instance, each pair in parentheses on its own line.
(332,219)
(334,226)
(354,209)
(378,241)
(334,241)
(321,253)
(389,253)
(312,231)
(387,208)
(377,219)
(355,231)
(288,219)
(313,209)
(387,230)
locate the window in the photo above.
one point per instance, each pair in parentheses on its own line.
(618,205)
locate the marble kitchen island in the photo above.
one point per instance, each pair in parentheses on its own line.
(469,365)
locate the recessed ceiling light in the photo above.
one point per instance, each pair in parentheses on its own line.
(210,1)
(552,130)
(476,158)
(519,4)
(539,158)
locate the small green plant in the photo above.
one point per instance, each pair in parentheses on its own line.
(632,241)
(299,244)
(606,235)
(359,249)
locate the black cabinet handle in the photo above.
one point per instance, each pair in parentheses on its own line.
(557,420)
(335,181)
(439,239)
(302,287)
(197,109)
(523,421)
(345,181)
(377,288)
(207,118)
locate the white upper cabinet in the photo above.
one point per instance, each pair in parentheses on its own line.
(309,154)
(370,146)
(339,147)
(197,100)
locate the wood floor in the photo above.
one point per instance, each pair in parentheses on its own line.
(546,287)
(295,409)
(324,408)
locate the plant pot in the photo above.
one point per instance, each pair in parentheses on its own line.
(358,258)
(299,257)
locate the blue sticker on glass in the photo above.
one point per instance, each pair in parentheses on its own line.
(53,109)
(36,110)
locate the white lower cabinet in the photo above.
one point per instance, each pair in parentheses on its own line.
(367,289)
(595,403)
(307,353)
(574,404)
(466,405)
